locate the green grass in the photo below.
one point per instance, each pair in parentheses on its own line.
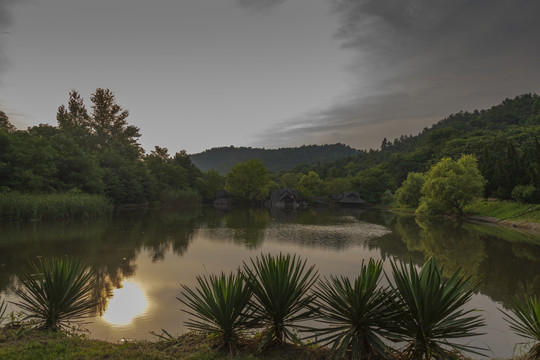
(17,344)
(505,210)
(16,206)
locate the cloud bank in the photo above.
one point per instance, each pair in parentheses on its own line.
(418,61)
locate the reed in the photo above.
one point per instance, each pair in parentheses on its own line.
(16,206)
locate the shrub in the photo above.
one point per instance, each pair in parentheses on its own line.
(280,288)
(219,307)
(432,310)
(357,314)
(56,292)
(527,194)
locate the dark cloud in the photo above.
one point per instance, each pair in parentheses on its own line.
(257,5)
(420,60)
(5,22)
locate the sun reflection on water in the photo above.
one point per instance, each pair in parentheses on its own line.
(127,303)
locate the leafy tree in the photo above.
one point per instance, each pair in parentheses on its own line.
(450,185)
(311,185)
(166,171)
(74,120)
(371,183)
(409,193)
(109,120)
(5,124)
(248,181)
(291,180)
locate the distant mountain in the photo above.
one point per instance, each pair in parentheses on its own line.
(223,159)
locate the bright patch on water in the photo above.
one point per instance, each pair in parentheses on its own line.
(127,303)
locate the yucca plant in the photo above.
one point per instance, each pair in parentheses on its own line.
(524,320)
(280,286)
(3,309)
(358,315)
(56,292)
(432,311)
(219,307)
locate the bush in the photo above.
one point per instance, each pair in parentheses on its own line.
(527,194)
(57,292)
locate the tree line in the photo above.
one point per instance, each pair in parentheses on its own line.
(96,152)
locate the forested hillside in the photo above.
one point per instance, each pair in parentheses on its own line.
(504,139)
(223,159)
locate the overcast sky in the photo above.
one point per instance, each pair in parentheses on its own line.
(197,74)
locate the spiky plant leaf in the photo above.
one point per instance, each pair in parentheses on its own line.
(280,286)
(357,316)
(219,306)
(433,314)
(524,320)
(3,309)
(56,292)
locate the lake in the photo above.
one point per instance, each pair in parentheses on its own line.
(142,257)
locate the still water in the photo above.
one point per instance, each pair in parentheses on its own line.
(142,257)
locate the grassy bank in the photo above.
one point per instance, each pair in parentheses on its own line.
(505,210)
(34,344)
(16,206)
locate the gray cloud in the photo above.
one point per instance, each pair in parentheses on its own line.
(5,22)
(420,60)
(257,5)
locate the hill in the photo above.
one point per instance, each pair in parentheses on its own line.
(504,139)
(223,159)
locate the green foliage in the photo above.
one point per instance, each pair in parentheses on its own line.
(5,124)
(56,292)
(409,193)
(450,186)
(432,312)
(356,316)
(280,286)
(310,185)
(524,320)
(219,307)
(209,183)
(291,180)
(371,183)
(66,206)
(248,181)
(527,194)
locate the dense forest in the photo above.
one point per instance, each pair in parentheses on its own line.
(223,159)
(97,152)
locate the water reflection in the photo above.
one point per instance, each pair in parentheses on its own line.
(144,256)
(127,303)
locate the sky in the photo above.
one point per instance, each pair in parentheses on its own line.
(197,74)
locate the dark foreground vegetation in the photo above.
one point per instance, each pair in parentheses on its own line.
(259,312)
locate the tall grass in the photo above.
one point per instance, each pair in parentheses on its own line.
(16,206)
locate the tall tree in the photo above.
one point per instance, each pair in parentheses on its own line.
(109,121)
(74,120)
